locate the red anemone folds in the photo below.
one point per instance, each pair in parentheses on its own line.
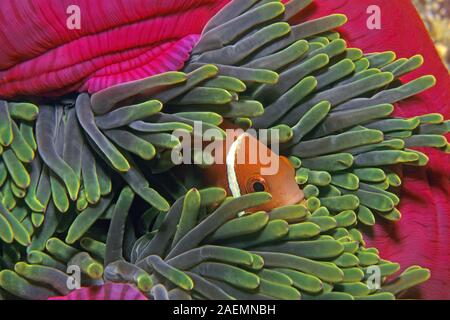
(422,236)
(118,41)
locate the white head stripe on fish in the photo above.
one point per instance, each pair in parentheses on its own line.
(233,183)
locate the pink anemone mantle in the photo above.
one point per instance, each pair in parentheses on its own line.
(108,291)
(118,41)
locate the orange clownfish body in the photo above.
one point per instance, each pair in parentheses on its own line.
(246,165)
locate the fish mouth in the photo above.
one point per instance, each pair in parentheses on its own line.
(298,198)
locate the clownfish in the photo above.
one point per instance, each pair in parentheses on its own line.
(247,165)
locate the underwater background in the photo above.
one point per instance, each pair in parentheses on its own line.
(436,16)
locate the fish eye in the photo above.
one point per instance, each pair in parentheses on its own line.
(257,184)
(258,187)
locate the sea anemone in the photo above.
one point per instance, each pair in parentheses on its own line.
(44,60)
(201,249)
(71,168)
